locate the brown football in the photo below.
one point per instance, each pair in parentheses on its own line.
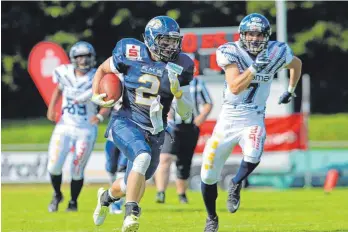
(112,86)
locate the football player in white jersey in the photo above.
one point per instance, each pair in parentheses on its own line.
(250,65)
(77,127)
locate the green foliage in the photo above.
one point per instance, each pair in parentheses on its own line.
(174,13)
(329,33)
(120,16)
(56,10)
(8,62)
(62,37)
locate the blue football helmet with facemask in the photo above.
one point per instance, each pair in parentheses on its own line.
(163,39)
(254,23)
(87,53)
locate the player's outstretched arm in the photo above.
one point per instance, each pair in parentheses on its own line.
(295,68)
(102,114)
(51,113)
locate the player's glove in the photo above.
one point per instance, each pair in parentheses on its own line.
(174,84)
(286,97)
(98,99)
(261,61)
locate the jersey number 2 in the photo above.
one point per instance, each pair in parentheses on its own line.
(252,88)
(146,95)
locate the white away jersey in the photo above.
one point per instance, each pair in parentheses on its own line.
(255,96)
(73,88)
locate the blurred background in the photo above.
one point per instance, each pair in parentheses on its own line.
(316,31)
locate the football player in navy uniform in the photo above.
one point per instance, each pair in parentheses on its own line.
(153,73)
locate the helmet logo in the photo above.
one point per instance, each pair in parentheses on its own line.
(255,19)
(155,24)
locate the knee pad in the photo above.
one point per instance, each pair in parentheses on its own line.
(141,163)
(208,176)
(123,186)
(152,168)
(183,171)
(53,169)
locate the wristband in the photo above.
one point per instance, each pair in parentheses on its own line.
(252,70)
(100,117)
(291,89)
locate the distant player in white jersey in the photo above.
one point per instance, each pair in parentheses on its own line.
(250,65)
(77,127)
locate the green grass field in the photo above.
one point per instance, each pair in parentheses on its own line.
(24,208)
(321,128)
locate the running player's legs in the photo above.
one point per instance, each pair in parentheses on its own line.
(217,149)
(59,147)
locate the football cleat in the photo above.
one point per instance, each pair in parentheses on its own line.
(233,199)
(131,223)
(72,206)
(183,199)
(56,199)
(160,197)
(212,224)
(101,209)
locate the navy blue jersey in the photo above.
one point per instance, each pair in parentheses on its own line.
(145,79)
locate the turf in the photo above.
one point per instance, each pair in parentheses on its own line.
(24,208)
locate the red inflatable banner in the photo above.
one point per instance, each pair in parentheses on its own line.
(43,59)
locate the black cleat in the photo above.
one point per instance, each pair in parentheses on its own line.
(53,206)
(183,199)
(212,224)
(233,199)
(72,206)
(160,197)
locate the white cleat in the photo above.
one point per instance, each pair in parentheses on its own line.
(100,211)
(130,224)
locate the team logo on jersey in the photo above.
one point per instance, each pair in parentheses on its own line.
(177,69)
(151,70)
(261,77)
(155,24)
(133,52)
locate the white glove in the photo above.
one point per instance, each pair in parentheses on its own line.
(98,99)
(174,84)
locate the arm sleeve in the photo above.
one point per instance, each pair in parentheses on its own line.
(289,55)
(225,55)
(119,62)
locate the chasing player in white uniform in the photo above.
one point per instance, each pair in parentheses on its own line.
(249,65)
(77,126)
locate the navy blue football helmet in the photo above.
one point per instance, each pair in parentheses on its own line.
(163,39)
(254,23)
(86,50)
